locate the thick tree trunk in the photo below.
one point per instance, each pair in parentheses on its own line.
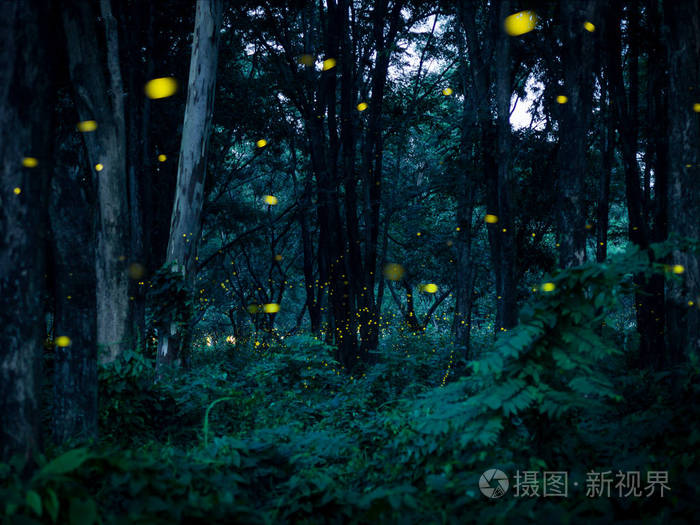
(506,300)
(465,209)
(573,128)
(75,365)
(495,144)
(99,97)
(134,22)
(683,41)
(24,127)
(185,226)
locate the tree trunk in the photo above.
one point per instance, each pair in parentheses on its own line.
(99,97)
(24,133)
(573,128)
(607,152)
(185,225)
(506,301)
(683,44)
(75,365)
(465,209)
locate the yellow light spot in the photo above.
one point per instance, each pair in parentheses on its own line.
(17,191)
(447,91)
(520,23)
(278,257)
(677,269)
(29,162)
(417,234)
(562,99)
(548,287)
(690,303)
(162,158)
(589,26)
(270,200)
(328,63)
(271,308)
(362,106)
(99,167)
(589,226)
(696,107)
(161,87)
(306,60)
(393,271)
(688,165)
(136,270)
(261,143)
(491,219)
(86,126)
(63,341)
(253,309)
(430,288)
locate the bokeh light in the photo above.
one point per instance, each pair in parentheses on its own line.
(63,341)
(393,271)
(86,126)
(160,87)
(520,23)
(271,308)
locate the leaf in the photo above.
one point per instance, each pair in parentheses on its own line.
(52,505)
(64,463)
(34,502)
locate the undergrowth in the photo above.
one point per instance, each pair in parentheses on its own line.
(282,435)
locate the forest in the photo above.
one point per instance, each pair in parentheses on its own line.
(349,261)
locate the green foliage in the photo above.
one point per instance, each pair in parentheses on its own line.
(280,434)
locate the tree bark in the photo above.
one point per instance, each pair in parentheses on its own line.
(607,152)
(683,45)
(573,129)
(506,301)
(75,366)
(185,225)
(99,97)
(25,80)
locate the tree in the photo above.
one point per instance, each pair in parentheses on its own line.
(99,98)
(24,177)
(577,55)
(489,58)
(71,213)
(683,45)
(185,227)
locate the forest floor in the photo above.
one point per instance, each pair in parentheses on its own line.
(256,434)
